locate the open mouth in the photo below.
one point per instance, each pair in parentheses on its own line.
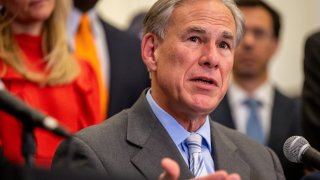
(205,80)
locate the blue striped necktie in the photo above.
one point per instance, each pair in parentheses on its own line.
(254,127)
(196,162)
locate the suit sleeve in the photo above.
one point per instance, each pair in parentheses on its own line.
(311,91)
(75,154)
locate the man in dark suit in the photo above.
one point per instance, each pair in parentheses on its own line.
(310,93)
(119,54)
(188,49)
(279,115)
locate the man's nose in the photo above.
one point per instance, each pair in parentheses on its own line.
(209,56)
(248,40)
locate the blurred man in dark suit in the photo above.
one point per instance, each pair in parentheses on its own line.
(122,69)
(311,86)
(311,93)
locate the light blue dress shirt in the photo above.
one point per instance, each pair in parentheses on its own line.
(178,134)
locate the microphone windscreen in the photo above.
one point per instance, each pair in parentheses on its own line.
(294,147)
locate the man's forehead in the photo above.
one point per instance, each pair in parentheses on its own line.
(202,19)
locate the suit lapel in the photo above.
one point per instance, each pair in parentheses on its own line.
(225,154)
(276,119)
(145,130)
(279,120)
(222,114)
(281,117)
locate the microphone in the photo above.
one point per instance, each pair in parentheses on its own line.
(297,149)
(27,115)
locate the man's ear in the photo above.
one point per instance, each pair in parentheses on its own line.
(149,45)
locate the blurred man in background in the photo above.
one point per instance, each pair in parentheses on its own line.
(311,93)
(116,57)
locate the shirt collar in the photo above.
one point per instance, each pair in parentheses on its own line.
(74,20)
(263,93)
(177,133)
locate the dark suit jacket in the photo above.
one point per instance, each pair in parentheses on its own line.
(314,176)
(311,91)
(131,144)
(128,74)
(285,122)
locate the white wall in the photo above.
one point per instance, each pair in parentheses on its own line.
(120,12)
(300,18)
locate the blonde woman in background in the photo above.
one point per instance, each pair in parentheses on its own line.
(37,67)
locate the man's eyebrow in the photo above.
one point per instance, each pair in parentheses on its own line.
(196,29)
(227,35)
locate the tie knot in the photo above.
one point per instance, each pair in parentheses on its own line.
(194,143)
(252,103)
(84,21)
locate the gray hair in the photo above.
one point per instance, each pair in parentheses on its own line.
(156,20)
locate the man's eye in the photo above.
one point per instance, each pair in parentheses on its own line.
(224,45)
(194,39)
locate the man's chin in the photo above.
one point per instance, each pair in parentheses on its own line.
(203,109)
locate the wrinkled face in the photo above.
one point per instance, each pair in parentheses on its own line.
(191,66)
(258,45)
(29,11)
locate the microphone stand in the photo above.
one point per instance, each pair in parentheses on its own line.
(28,147)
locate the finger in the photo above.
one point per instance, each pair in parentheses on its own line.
(234,176)
(218,175)
(171,170)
